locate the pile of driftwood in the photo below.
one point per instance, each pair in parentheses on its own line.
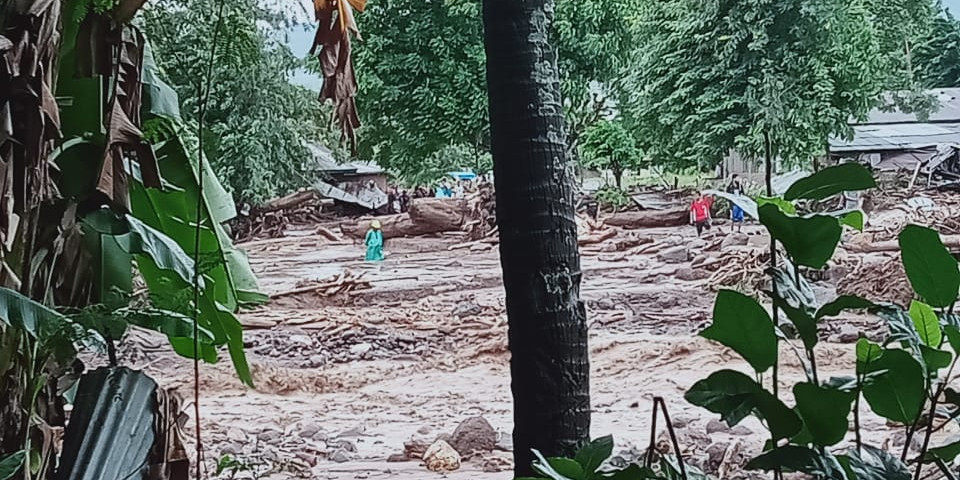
(274,217)
(876,277)
(344,282)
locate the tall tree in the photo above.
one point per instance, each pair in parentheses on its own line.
(607,145)
(259,121)
(938,55)
(538,235)
(720,75)
(421,76)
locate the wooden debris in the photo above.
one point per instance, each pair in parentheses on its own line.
(649,218)
(345,282)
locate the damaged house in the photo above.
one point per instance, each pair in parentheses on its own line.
(892,141)
(356,185)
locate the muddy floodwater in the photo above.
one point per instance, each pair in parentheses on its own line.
(404,351)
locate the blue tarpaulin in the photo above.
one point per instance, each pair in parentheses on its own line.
(463,175)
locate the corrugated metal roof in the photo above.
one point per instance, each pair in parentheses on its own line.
(900,136)
(949,110)
(111,429)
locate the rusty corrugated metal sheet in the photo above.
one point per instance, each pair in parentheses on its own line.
(111,429)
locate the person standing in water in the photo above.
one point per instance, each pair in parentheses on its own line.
(374,242)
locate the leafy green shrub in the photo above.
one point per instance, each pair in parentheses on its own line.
(590,461)
(613,197)
(904,380)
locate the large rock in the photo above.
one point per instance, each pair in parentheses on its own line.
(475,434)
(734,240)
(677,254)
(441,457)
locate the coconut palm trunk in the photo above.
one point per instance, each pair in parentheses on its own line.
(538,235)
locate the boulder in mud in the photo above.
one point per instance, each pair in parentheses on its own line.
(691,274)
(473,435)
(441,457)
(677,254)
(734,240)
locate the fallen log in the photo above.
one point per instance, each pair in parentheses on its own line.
(393,226)
(326,233)
(595,238)
(293,200)
(952,242)
(649,218)
(446,213)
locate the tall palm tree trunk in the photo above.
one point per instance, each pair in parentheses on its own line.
(538,235)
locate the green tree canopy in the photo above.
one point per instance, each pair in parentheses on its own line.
(608,145)
(422,79)
(259,123)
(712,76)
(938,56)
(421,76)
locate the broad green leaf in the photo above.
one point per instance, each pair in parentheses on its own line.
(593,454)
(853,219)
(953,337)
(792,458)
(809,241)
(785,206)
(867,352)
(22,312)
(932,271)
(734,395)
(831,181)
(948,453)
(184,347)
(935,359)
(11,464)
(726,392)
(805,324)
(741,324)
(557,468)
(633,472)
(874,464)
(927,324)
(137,238)
(158,98)
(845,302)
(898,393)
(824,412)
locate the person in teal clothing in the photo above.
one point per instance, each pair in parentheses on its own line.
(374,242)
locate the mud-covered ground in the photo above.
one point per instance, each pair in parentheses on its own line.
(343,381)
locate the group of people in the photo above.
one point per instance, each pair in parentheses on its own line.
(398,201)
(701,215)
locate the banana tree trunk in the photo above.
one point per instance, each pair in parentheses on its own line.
(538,235)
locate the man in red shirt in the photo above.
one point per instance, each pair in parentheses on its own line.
(700,213)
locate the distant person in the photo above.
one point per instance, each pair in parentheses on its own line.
(374,242)
(736,213)
(700,213)
(393,205)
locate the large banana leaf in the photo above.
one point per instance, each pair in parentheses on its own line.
(159,99)
(33,317)
(174,213)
